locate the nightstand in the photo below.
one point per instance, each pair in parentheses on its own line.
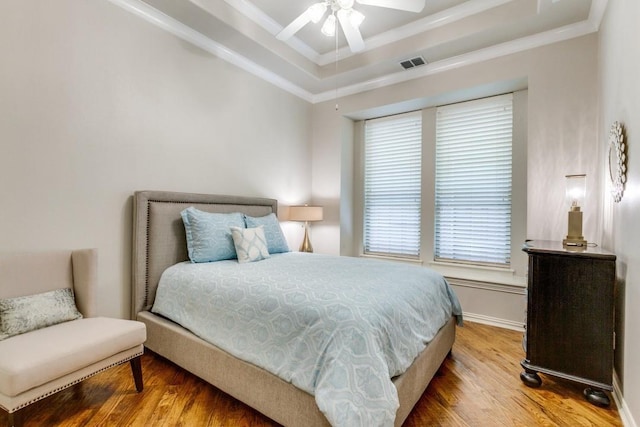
(570,317)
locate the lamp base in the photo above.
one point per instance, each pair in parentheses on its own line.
(306,243)
(574,243)
(574,237)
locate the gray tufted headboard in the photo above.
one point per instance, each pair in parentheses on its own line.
(158,233)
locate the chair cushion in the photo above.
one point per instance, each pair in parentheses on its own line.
(37,357)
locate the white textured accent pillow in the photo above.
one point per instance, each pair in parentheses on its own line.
(250,243)
(23,314)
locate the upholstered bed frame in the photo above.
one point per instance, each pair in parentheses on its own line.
(159,242)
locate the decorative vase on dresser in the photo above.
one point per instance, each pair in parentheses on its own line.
(569,330)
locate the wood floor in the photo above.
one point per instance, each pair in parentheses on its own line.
(478,385)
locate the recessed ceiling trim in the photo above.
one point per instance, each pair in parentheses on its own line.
(453,14)
(163,21)
(427,23)
(256,14)
(507,48)
(544,5)
(596,13)
(175,27)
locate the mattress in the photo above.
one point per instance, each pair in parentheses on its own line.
(338,328)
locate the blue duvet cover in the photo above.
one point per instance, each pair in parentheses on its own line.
(337,327)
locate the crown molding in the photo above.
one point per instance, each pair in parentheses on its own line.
(430,22)
(596,13)
(165,22)
(178,29)
(427,23)
(256,14)
(507,48)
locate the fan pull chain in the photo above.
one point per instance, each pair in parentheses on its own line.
(336,70)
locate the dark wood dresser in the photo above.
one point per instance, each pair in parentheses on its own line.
(570,317)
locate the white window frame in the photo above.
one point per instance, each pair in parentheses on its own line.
(405,168)
(473,217)
(515,275)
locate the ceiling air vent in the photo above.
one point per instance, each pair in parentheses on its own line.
(413,62)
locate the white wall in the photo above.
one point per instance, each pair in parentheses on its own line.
(562,126)
(96,103)
(619,90)
(562,139)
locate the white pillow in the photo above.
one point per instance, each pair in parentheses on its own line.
(250,243)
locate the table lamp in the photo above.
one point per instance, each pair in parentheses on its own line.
(575,193)
(305,213)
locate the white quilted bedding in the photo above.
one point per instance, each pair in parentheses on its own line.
(337,327)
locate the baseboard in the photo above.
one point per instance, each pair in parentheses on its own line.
(493,321)
(623,409)
(488,286)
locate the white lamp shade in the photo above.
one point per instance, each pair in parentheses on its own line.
(305,213)
(576,189)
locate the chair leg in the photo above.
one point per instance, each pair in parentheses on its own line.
(136,368)
(15,418)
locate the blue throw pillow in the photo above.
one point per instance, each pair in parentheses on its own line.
(209,234)
(272,231)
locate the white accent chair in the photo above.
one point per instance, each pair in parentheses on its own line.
(39,363)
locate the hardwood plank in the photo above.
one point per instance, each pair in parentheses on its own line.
(478,385)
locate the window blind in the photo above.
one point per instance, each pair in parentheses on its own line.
(392,185)
(473,181)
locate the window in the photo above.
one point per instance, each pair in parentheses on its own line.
(392,185)
(473,181)
(465,212)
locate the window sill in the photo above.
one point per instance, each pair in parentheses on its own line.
(394,258)
(478,273)
(464,272)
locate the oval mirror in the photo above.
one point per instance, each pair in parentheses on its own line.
(617,161)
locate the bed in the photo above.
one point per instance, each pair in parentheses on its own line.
(159,242)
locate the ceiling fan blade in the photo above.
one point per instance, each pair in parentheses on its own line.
(408,5)
(294,26)
(352,34)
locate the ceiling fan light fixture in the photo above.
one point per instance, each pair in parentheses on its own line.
(355,18)
(316,12)
(350,20)
(345,4)
(329,26)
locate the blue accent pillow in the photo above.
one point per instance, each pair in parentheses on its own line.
(209,234)
(276,243)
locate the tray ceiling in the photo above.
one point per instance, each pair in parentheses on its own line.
(447,34)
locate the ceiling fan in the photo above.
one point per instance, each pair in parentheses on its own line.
(349,18)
